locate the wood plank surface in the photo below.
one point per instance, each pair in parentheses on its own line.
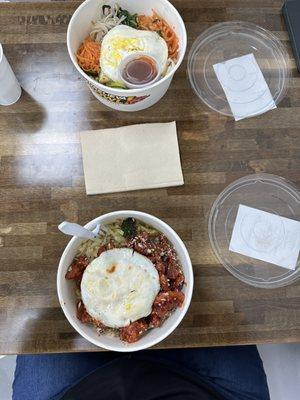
(41,181)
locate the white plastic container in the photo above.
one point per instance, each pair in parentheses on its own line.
(10,89)
(131,99)
(67,296)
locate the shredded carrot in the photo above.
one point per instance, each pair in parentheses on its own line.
(159,25)
(88,56)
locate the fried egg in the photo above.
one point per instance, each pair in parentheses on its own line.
(122,40)
(119,287)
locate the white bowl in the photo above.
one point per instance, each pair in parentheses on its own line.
(67,297)
(80,27)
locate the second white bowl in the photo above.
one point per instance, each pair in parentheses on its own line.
(67,297)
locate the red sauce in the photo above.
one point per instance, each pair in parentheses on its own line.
(76,269)
(140,71)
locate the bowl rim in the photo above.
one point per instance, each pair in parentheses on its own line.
(126,92)
(188,294)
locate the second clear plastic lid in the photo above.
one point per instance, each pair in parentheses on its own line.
(254,230)
(231,40)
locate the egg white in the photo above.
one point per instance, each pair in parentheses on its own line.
(122,40)
(119,287)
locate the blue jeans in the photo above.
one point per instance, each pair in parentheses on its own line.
(235,372)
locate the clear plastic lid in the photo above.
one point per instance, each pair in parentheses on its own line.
(227,41)
(268,193)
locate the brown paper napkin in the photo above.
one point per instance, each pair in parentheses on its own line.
(131,157)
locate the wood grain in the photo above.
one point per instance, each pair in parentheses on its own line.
(42,183)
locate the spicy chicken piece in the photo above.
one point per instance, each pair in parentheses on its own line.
(164,283)
(86,318)
(177,283)
(174,274)
(165,302)
(142,244)
(173,269)
(164,242)
(77,267)
(134,331)
(160,266)
(154,320)
(82,314)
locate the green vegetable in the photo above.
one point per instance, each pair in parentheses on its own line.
(129,228)
(113,84)
(130,19)
(103,78)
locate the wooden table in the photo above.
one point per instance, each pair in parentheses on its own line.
(42,182)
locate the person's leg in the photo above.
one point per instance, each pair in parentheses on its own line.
(43,377)
(235,372)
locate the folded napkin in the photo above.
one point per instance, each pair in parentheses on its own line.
(131,157)
(244,85)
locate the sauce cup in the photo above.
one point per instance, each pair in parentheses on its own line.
(137,56)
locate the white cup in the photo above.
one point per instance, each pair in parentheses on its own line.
(10,89)
(129,99)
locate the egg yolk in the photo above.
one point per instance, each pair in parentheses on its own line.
(121,45)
